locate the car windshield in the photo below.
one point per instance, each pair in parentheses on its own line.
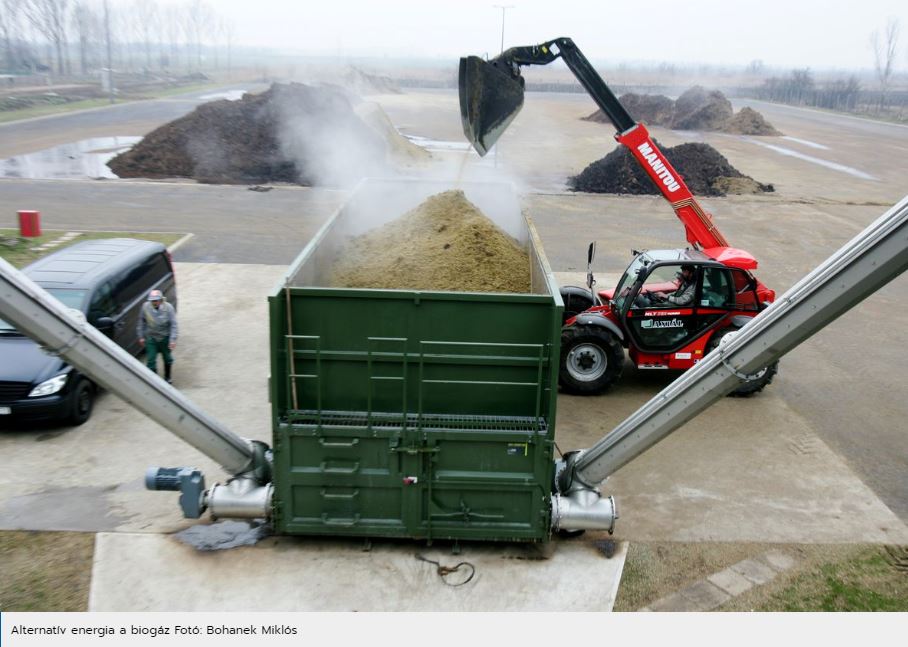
(627,281)
(69,298)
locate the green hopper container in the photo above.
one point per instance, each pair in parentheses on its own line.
(420,414)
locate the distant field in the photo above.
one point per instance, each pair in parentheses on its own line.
(42,111)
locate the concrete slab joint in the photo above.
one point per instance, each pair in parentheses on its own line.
(731,582)
(755,571)
(722,586)
(779,561)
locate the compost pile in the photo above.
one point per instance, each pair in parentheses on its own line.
(696,109)
(750,122)
(282,135)
(700,109)
(651,109)
(401,151)
(704,169)
(446,243)
(364,83)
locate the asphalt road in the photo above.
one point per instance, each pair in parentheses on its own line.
(134,118)
(846,386)
(229,223)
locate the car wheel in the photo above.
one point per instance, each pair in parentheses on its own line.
(83,401)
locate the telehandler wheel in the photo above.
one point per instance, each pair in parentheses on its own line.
(591,360)
(764,376)
(574,303)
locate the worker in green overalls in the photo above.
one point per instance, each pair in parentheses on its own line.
(157,331)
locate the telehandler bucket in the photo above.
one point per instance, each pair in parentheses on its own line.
(490,98)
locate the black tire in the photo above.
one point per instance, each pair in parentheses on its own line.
(592,359)
(747,388)
(574,303)
(83,400)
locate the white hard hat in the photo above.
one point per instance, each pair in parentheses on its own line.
(155,295)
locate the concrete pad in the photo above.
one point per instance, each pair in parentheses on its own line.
(705,595)
(673,602)
(604,280)
(151,572)
(699,596)
(91,477)
(755,571)
(778,561)
(744,470)
(731,582)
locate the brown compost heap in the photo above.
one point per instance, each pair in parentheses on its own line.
(364,83)
(704,169)
(651,109)
(290,133)
(696,109)
(748,121)
(445,243)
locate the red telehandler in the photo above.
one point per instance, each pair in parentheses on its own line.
(658,331)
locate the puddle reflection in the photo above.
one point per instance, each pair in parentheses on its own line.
(83,159)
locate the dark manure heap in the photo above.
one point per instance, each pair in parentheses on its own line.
(286,134)
(701,109)
(696,109)
(445,243)
(704,169)
(651,109)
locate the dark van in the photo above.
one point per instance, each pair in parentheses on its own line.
(108,281)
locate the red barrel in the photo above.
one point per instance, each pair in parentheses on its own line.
(30,224)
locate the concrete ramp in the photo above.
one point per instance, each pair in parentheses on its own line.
(152,572)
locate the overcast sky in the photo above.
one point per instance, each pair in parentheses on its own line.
(791,33)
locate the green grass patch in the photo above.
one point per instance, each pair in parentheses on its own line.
(45,571)
(658,569)
(824,577)
(41,111)
(150,93)
(19,251)
(181,89)
(867,579)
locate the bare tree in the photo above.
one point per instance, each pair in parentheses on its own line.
(229,32)
(10,19)
(199,23)
(49,18)
(120,30)
(172,26)
(146,17)
(884,47)
(87,25)
(755,67)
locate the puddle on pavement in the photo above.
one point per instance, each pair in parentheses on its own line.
(437,144)
(230,95)
(75,508)
(224,534)
(77,160)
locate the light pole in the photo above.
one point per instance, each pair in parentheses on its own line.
(110,82)
(503,9)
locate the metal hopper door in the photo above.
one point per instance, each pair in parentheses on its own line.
(373,441)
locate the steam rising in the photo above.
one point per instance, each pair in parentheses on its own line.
(328,143)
